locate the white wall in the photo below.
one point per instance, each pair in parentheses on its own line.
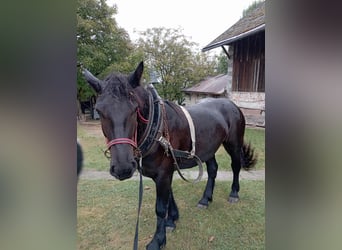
(250,100)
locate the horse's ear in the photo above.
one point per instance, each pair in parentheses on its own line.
(135,77)
(95,83)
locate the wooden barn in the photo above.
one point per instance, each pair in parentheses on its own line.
(211,87)
(244,45)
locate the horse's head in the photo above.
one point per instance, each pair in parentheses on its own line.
(117,107)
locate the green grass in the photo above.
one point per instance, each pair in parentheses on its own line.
(93,145)
(256,137)
(107,213)
(107,209)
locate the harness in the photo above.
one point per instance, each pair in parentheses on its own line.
(156,132)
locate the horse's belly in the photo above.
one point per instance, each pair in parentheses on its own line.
(186,163)
(190,163)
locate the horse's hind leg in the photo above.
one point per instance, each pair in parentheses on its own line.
(209,189)
(234,150)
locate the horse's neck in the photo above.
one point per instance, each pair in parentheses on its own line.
(143,102)
(173,112)
(144,109)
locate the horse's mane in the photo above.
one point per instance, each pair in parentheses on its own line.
(117,85)
(175,107)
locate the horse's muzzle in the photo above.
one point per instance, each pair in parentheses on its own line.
(123,171)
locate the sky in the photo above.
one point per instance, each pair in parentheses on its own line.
(201,21)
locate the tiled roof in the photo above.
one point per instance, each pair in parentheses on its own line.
(253,22)
(212,85)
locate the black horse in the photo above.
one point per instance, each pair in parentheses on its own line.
(79,159)
(140,125)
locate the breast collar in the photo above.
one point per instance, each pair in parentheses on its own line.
(154,127)
(156,133)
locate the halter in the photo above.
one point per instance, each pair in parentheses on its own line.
(132,142)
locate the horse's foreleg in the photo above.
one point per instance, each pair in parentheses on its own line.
(172,214)
(163,187)
(209,189)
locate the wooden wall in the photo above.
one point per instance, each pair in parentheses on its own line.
(249,64)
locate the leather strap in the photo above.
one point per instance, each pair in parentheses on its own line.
(192,130)
(154,127)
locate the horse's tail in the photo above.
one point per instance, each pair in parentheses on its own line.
(248,158)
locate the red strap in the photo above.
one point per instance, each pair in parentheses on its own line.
(127,140)
(121,141)
(142,119)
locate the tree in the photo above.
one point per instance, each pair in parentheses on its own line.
(126,65)
(169,55)
(222,63)
(100,42)
(251,7)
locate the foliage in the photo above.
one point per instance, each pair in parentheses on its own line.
(126,65)
(169,55)
(100,41)
(103,47)
(251,7)
(222,63)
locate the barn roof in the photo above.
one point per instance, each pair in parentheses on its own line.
(212,85)
(252,23)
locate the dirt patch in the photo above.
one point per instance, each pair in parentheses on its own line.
(189,174)
(92,128)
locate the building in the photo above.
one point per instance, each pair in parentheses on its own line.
(244,45)
(211,87)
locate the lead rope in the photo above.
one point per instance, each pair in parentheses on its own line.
(136,237)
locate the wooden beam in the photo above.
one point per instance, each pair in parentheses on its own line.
(225,51)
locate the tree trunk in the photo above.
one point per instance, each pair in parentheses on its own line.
(80,116)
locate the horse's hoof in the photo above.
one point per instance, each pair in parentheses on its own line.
(201,206)
(170,226)
(169,229)
(153,245)
(233,199)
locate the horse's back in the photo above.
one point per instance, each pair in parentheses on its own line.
(215,120)
(217,110)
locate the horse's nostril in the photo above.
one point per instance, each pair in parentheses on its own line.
(123,171)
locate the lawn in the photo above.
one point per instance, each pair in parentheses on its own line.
(256,137)
(107,213)
(107,209)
